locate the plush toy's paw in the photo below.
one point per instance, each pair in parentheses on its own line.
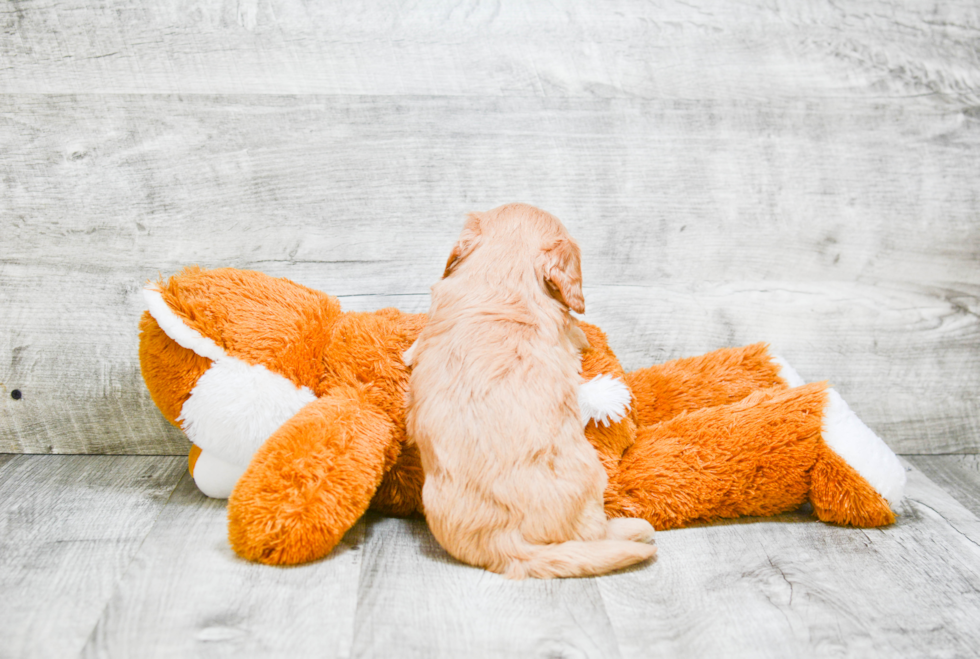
(856,480)
(863,450)
(859,480)
(215,477)
(604,399)
(310,482)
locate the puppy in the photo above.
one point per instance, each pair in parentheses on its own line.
(511,482)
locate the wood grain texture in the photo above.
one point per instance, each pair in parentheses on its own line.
(959,475)
(188,595)
(843,231)
(401,609)
(790,587)
(69,528)
(662,49)
(102,557)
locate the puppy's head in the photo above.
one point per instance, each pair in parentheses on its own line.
(467,242)
(532,237)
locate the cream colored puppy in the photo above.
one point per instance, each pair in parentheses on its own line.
(511,482)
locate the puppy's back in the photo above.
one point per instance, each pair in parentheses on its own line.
(512,484)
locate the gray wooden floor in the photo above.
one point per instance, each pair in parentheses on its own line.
(121,556)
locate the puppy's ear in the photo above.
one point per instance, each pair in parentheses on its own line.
(563,273)
(465,245)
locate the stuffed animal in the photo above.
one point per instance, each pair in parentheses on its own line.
(295,410)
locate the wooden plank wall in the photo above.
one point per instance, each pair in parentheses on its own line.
(804,173)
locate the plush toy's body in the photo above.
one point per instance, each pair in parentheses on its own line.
(300,407)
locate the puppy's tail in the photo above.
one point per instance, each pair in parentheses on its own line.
(577,558)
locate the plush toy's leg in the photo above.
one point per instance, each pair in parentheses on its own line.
(750,458)
(718,378)
(310,481)
(766,454)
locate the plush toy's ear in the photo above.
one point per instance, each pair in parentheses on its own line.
(465,245)
(563,273)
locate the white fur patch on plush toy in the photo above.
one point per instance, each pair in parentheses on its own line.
(235,407)
(861,448)
(604,399)
(408,357)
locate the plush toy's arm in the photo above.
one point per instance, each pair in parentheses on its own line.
(311,480)
(718,378)
(604,399)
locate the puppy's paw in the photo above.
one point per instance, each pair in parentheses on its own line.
(630,528)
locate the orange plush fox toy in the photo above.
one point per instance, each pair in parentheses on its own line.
(295,410)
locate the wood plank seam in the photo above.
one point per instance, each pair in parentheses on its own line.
(132,559)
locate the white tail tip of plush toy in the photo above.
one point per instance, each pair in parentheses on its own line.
(787,372)
(604,399)
(861,448)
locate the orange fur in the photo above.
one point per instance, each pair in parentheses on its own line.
(400,492)
(192,457)
(717,378)
(273,322)
(311,480)
(511,482)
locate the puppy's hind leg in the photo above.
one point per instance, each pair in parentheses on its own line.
(630,528)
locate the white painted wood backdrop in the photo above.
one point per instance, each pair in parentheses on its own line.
(804,173)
